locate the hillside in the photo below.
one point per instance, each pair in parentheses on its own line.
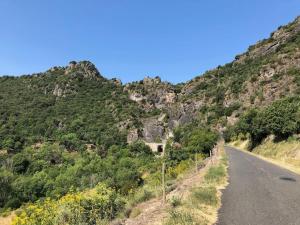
(69,130)
(73,103)
(269,70)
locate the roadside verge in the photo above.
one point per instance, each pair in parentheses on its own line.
(195,200)
(278,153)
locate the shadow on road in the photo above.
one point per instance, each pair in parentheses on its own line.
(288,179)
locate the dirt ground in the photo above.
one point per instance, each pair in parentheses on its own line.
(7,220)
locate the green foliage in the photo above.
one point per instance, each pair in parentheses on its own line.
(87,111)
(46,123)
(281,119)
(90,207)
(70,141)
(140,149)
(6,178)
(200,141)
(52,171)
(175,201)
(192,140)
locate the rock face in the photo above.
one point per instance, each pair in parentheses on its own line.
(117,82)
(271,45)
(152,93)
(57,91)
(83,68)
(153,130)
(133,135)
(268,71)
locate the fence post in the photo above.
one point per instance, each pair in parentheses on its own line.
(163,170)
(196,162)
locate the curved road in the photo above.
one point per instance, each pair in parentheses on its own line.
(259,193)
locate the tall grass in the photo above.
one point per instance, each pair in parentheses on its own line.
(215,174)
(205,195)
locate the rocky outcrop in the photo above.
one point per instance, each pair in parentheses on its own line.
(152,93)
(132,135)
(271,44)
(85,69)
(58,91)
(153,130)
(117,82)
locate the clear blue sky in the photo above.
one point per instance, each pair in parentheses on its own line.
(130,39)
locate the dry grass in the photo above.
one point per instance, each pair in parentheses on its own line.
(201,205)
(285,154)
(7,220)
(241,144)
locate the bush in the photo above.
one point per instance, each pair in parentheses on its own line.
(91,207)
(281,118)
(175,201)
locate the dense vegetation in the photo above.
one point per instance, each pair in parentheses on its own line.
(62,131)
(281,119)
(193,140)
(87,112)
(64,157)
(266,72)
(51,171)
(95,206)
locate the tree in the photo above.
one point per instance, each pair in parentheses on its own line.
(281,118)
(140,149)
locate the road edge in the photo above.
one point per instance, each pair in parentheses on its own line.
(272,161)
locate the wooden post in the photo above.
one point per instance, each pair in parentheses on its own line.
(196,162)
(163,183)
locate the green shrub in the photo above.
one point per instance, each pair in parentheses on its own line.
(175,201)
(281,119)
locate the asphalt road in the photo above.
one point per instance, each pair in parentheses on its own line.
(259,193)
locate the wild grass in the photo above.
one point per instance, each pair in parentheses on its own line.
(201,205)
(205,195)
(215,174)
(144,194)
(135,212)
(178,217)
(152,188)
(175,201)
(284,153)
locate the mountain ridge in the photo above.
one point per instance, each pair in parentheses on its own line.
(268,71)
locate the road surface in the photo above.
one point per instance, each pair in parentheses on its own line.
(259,193)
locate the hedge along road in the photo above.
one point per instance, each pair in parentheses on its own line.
(259,193)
